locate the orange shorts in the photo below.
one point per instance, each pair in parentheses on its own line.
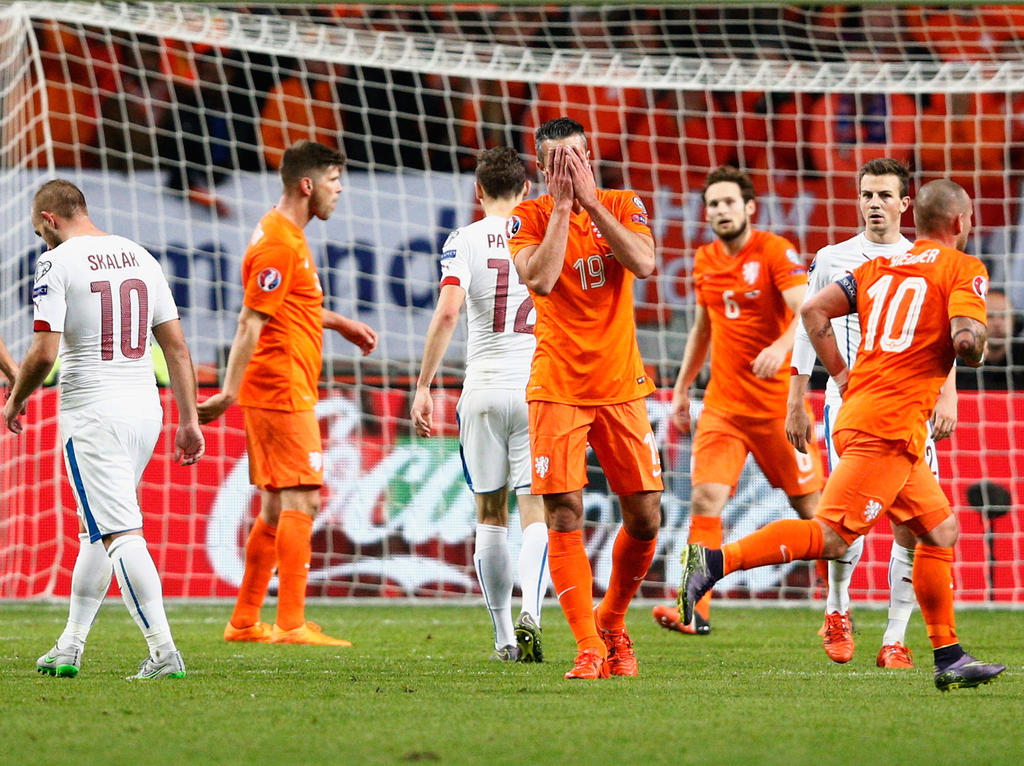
(876,475)
(723,440)
(619,433)
(284,448)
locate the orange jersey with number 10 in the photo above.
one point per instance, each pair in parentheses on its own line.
(587,352)
(905,303)
(742,294)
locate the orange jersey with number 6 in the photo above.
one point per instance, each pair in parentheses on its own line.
(587,352)
(742,294)
(905,303)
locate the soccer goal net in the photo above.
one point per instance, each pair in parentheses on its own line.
(173,117)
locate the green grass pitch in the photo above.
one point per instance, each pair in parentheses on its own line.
(418,687)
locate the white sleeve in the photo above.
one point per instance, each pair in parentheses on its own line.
(455,261)
(164,308)
(803,352)
(49,293)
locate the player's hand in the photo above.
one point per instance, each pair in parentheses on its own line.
(189,444)
(798,427)
(359,334)
(680,411)
(944,419)
(584,188)
(214,407)
(768,363)
(422,412)
(12,416)
(559,180)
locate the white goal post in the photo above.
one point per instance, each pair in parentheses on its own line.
(172,116)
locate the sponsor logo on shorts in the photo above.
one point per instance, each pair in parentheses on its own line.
(316,460)
(512,226)
(269,280)
(871,510)
(541,466)
(980,285)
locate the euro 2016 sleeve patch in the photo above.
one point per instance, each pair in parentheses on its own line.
(512,226)
(269,280)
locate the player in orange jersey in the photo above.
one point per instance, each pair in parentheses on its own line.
(749,286)
(272,372)
(918,311)
(578,249)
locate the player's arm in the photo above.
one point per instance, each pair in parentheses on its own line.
(7,364)
(772,357)
(34,368)
(189,444)
(944,416)
(837,299)
(540,265)
(355,332)
(439,334)
(633,250)
(250,325)
(696,351)
(969,336)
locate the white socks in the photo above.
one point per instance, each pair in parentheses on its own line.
(141,591)
(494,571)
(840,572)
(534,577)
(90,581)
(901,593)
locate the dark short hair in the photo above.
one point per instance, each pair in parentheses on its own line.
(886,166)
(305,158)
(500,171)
(729,173)
(560,127)
(59,197)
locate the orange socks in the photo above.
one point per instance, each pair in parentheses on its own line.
(574,583)
(706,531)
(933,585)
(294,549)
(260,557)
(631,558)
(776,543)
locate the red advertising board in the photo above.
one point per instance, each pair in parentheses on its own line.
(398,520)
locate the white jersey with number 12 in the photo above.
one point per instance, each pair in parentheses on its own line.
(499,310)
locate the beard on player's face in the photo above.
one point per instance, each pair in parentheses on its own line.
(729,235)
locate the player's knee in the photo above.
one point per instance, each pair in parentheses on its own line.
(944,535)
(833,544)
(709,499)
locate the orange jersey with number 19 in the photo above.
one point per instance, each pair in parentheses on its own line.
(742,294)
(905,303)
(587,352)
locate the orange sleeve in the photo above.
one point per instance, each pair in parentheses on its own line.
(269,277)
(631,211)
(524,228)
(967,296)
(788,269)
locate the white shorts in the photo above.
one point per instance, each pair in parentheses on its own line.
(931,457)
(494,438)
(106,449)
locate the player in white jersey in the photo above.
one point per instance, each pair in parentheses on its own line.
(100,299)
(476,268)
(883,198)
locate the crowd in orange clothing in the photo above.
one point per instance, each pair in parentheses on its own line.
(126,101)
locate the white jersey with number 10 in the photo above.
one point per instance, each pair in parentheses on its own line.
(104,294)
(499,309)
